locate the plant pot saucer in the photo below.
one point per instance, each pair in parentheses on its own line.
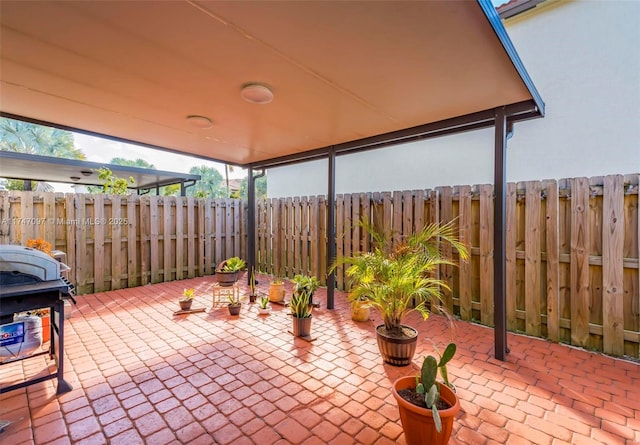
(189,311)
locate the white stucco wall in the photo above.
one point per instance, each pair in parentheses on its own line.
(583,58)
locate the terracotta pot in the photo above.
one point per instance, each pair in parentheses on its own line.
(234,309)
(185,305)
(226,279)
(397,351)
(360,312)
(417,422)
(276,292)
(301,326)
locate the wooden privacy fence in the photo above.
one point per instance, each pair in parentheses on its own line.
(571,249)
(571,246)
(114,242)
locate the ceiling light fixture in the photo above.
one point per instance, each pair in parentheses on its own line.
(201,122)
(86,172)
(74,178)
(256,93)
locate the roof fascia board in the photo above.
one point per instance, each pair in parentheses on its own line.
(474,121)
(496,23)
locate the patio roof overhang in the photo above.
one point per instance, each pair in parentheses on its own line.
(51,169)
(346,76)
(340,71)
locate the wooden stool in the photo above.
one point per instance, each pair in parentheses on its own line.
(221,294)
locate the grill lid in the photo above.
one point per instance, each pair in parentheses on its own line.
(19,261)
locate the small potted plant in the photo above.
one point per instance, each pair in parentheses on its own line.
(234,304)
(252,286)
(186,299)
(300,304)
(360,310)
(276,290)
(427,407)
(263,305)
(307,284)
(229,270)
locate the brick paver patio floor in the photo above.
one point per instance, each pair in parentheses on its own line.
(142,375)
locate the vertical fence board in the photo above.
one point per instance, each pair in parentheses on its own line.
(612,265)
(116,241)
(81,245)
(322,259)
(464,234)
(418,211)
(486,254)
(229,231)
(297,237)
(218,230)
(553,267)
(510,256)
(288,233)
(154,238)
(49,213)
(208,234)
(580,261)
(355,223)
(132,250)
(446,271)
(192,255)
(340,236)
(145,240)
(316,240)
(27,230)
(98,243)
(396,211)
(304,235)
(167,258)
(70,230)
(532,262)
(179,218)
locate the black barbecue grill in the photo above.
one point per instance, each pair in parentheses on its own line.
(31,280)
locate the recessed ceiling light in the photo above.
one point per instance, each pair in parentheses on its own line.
(74,178)
(201,122)
(256,93)
(86,172)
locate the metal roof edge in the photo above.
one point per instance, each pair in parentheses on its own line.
(496,23)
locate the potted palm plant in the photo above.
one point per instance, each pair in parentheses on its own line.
(397,278)
(229,270)
(427,407)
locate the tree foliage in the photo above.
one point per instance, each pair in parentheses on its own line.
(209,186)
(261,188)
(25,137)
(139,162)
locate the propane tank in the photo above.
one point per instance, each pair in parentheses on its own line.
(20,338)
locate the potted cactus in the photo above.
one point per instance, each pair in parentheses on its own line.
(427,407)
(186,299)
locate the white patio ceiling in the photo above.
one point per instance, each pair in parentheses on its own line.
(340,71)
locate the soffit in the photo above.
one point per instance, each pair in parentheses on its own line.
(340,71)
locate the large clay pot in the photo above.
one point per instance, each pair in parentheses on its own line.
(397,351)
(226,279)
(276,292)
(301,326)
(417,422)
(360,311)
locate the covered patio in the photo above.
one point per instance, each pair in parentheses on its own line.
(142,375)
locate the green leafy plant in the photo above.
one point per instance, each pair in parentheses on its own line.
(396,277)
(299,305)
(305,284)
(263,302)
(252,282)
(113,184)
(233,264)
(234,300)
(426,384)
(188,294)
